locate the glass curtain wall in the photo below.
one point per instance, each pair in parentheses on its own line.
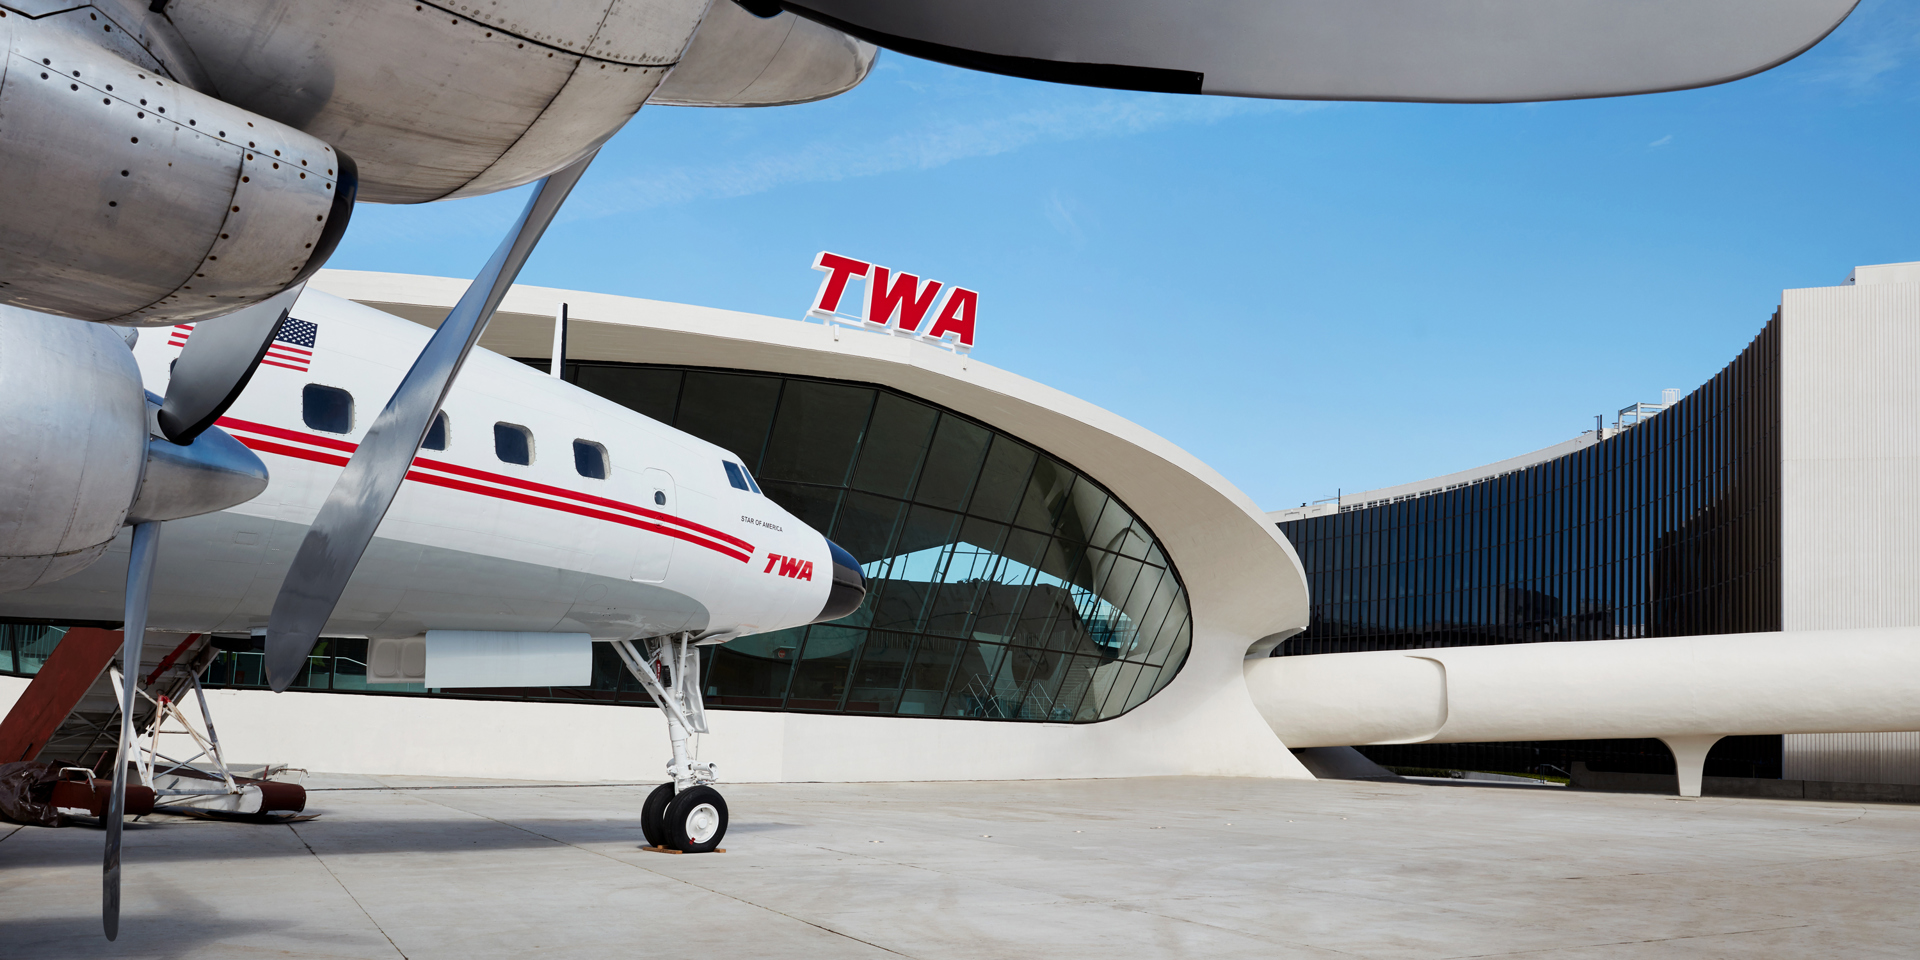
(1668,528)
(25,646)
(1002,583)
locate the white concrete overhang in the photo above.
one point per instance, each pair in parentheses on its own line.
(1242,576)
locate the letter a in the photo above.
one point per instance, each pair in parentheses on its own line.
(956,317)
(838,270)
(903,296)
(806,570)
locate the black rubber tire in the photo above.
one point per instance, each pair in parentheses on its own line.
(684,806)
(653,815)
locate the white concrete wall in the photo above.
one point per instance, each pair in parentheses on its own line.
(1850,456)
(1852,757)
(1850,486)
(1202,724)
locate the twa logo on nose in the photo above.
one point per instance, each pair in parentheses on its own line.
(899,301)
(790,567)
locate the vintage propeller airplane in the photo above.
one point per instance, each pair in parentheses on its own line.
(534,508)
(194,161)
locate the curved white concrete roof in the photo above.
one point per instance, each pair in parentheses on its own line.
(1244,582)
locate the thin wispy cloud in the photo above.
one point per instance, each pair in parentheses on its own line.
(1062,220)
(1663,141)
(1866,53)
(932,142)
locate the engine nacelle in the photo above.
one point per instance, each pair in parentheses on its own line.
(135,200)
(73,428)
(80,451)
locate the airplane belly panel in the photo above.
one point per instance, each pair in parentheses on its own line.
(219,574)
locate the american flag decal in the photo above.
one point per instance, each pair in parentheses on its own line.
(292,347)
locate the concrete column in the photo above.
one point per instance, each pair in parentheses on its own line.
(1690,759)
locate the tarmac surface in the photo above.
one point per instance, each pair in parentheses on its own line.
(1174,867)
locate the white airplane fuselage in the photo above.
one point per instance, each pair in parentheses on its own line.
(666,543)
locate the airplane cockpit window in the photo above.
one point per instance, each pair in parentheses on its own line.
(327,408)
(513,443)
(590,459)
(436,434)
(739,478)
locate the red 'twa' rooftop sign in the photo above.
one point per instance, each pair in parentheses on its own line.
(899,301)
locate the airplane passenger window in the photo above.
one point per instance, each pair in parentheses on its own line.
(590,459)
(327,408)
(736,476)
(513,443)
(437,434)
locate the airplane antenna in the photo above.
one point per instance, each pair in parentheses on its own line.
(558,367)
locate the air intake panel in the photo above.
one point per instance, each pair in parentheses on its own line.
(134,200)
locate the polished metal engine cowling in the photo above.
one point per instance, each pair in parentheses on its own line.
(441,100)
(81,454)
(740,60)
(136,200)
(73,432)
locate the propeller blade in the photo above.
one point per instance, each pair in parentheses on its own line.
(146,548)
(360,498)
(220,357)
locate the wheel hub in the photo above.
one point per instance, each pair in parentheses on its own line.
(702,822)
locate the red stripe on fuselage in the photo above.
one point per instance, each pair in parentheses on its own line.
(453,484)
(299,453)
(694,533)
(285,434)
(455,468)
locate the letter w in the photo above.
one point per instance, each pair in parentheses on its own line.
(902,294)
(789,567)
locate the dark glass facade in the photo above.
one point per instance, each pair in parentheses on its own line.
(25,646)
(1667,528)
(1002,583)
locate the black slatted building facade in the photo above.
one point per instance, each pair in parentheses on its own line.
(1670,527)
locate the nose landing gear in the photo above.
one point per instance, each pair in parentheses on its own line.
(685,814)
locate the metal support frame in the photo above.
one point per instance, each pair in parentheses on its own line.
(676,658)
(202,780)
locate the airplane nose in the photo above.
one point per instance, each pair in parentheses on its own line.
(849,586)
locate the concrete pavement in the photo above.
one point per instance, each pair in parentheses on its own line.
(1173,867)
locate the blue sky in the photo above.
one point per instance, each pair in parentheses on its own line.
(1308,296)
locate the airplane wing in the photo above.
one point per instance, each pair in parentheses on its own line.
(1457,51)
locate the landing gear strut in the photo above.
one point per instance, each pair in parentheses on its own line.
(685,813)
